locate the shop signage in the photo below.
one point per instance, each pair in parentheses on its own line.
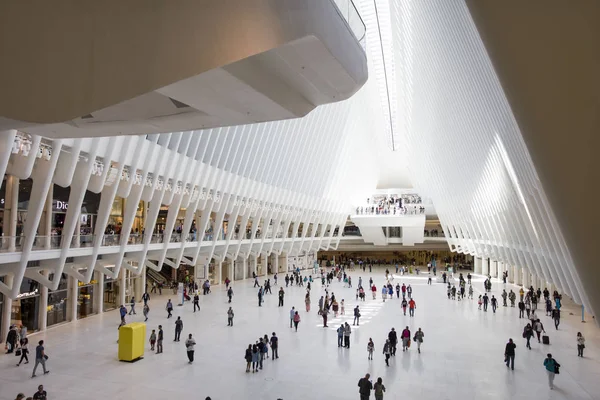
(92,282)
(27,294)
(61,205)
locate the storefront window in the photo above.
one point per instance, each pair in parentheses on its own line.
(25,308)
(85,299)
(57,302)
(112,288)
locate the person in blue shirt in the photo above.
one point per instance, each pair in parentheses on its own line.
(123,312)
(551,369)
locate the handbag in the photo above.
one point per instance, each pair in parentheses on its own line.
(556,367)
(18,352)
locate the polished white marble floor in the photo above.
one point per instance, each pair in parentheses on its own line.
(462,355)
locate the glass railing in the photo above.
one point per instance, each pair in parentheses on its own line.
(348,10)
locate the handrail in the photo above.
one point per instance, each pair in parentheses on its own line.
(350,13)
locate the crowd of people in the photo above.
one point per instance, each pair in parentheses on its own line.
(525,300)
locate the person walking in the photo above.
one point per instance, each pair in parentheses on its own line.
(340,335)
(494,302)
(306,301)
(552,368)
(25,351)
(527,334)
(538,327)
(196,302)
(255,358)
(411,307)
(393,338)
(370,348)
(189,346)
(364,385)
(145,311)
(347,332)
(159,340)
(419,335)
(292,314)
(40,394)
(556,317)
(274,346)
(230,293)
(178,329)
(260,296)
(248,357)
(379,389)
(169,308)
(356,316)
(152,339)
(405,339)
(122,313)
(145,297)
(281,295)
(132,304)
(485,302)
(580,344)
(324,315)
(509,354)
(230,317)
(387,351)
(296,320)
(40,358)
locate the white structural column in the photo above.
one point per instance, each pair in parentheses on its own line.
(13,184)
(518,275)
(477,265)
(43,308)
(6,309)
(254,264)
(123,284)
(485,266)
(99,300)
(73,292)
(283,262)
(275,263)
(219,266)
(511,273)
(526,278)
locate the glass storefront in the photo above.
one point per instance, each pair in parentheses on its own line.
(85,299)
(25,308)
(111,293)
(57,302)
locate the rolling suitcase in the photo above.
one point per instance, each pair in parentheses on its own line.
(545,339)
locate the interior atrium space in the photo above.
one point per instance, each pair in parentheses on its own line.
(315,185)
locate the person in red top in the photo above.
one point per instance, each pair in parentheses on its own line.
(374,290)
(403,290)
(405,339)
(411,307)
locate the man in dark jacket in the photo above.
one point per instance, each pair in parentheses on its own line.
(393,337)
(365,386)
(509,354)
(11,339)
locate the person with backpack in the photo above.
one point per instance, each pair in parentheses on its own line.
(296,320)
(552,368)
(378,388)
(356,316)
(230,317)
